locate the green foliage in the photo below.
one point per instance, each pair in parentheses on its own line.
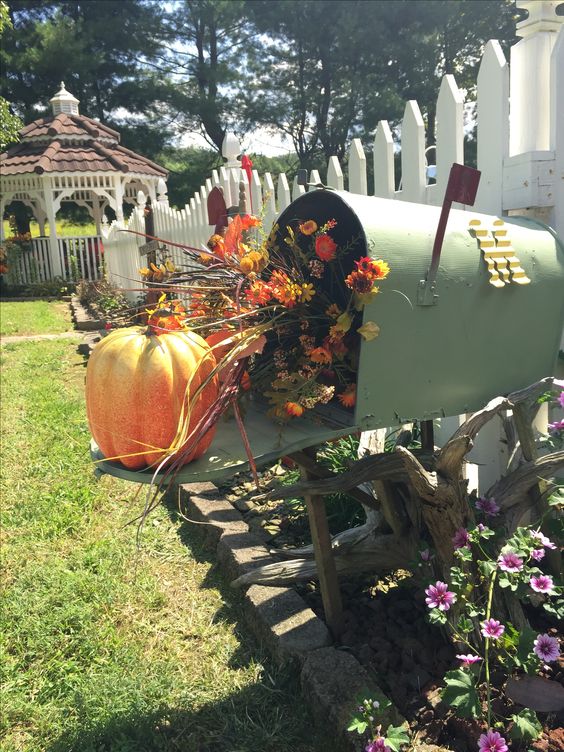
(460,693)
(396,736)
(526,726)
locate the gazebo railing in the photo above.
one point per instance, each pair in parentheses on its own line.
(79,258)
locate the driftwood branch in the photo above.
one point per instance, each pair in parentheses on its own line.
(388,466)
(513,488)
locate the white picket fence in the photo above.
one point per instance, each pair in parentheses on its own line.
(520,153)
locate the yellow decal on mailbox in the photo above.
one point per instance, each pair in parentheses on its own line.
(503,265)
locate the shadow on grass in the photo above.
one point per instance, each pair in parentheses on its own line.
(254,719)
(267,716)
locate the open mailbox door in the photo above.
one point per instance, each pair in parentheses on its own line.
(497,320)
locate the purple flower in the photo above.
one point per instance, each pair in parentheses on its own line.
(425,555)
(492,742)
(546,647)
(537,554)
(510,562)
(558,425)
(487,506)
(542,583)
(468,660)
(439,596)
(546,542)
(493,629)
(378,745)
(561,399)
(461,538)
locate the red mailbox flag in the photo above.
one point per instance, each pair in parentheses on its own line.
(247,165)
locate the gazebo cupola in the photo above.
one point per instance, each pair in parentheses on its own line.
(63,101)
(68,157)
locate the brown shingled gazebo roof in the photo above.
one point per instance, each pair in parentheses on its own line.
(73,143)
(68,157)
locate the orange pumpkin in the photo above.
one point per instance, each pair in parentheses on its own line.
(137,386)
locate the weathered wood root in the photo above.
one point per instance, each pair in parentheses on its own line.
(384,553)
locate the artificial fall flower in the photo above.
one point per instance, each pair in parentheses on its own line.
(461,539)
(492,629)
(542,583)
(248,221)
(293,409)
(488,506)
(546,648)
(439,596)
(510,562)
(359,282)
(469,659)
(348,397)
(492,741)
(335,345)
(376,269)
(258,292)
(333,311)
(325,247)
(316,268)
(216,244)
(320,355)
(309,227)
(307,292)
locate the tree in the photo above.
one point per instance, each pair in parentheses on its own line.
(204,65)
(9,124)
(332,69)
(100,49)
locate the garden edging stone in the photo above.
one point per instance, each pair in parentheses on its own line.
(83,320)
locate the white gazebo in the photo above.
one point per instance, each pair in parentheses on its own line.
(68,157)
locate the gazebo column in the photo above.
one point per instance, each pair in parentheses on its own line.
(50,210)
(119,193)
(97,213)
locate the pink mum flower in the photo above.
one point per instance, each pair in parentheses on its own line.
(468,660)
(492,742)
(461,538)
(510,562)
(537,554)
(378,745)
(561,399)
(546,542)
(558,425)
(488,506)
(542,583)
(547,648)
(492,629)
(439,596)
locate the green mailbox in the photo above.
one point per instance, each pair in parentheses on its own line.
(496,316)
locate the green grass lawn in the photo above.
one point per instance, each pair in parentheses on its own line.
(65,228)
(107,647)
(34,317)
